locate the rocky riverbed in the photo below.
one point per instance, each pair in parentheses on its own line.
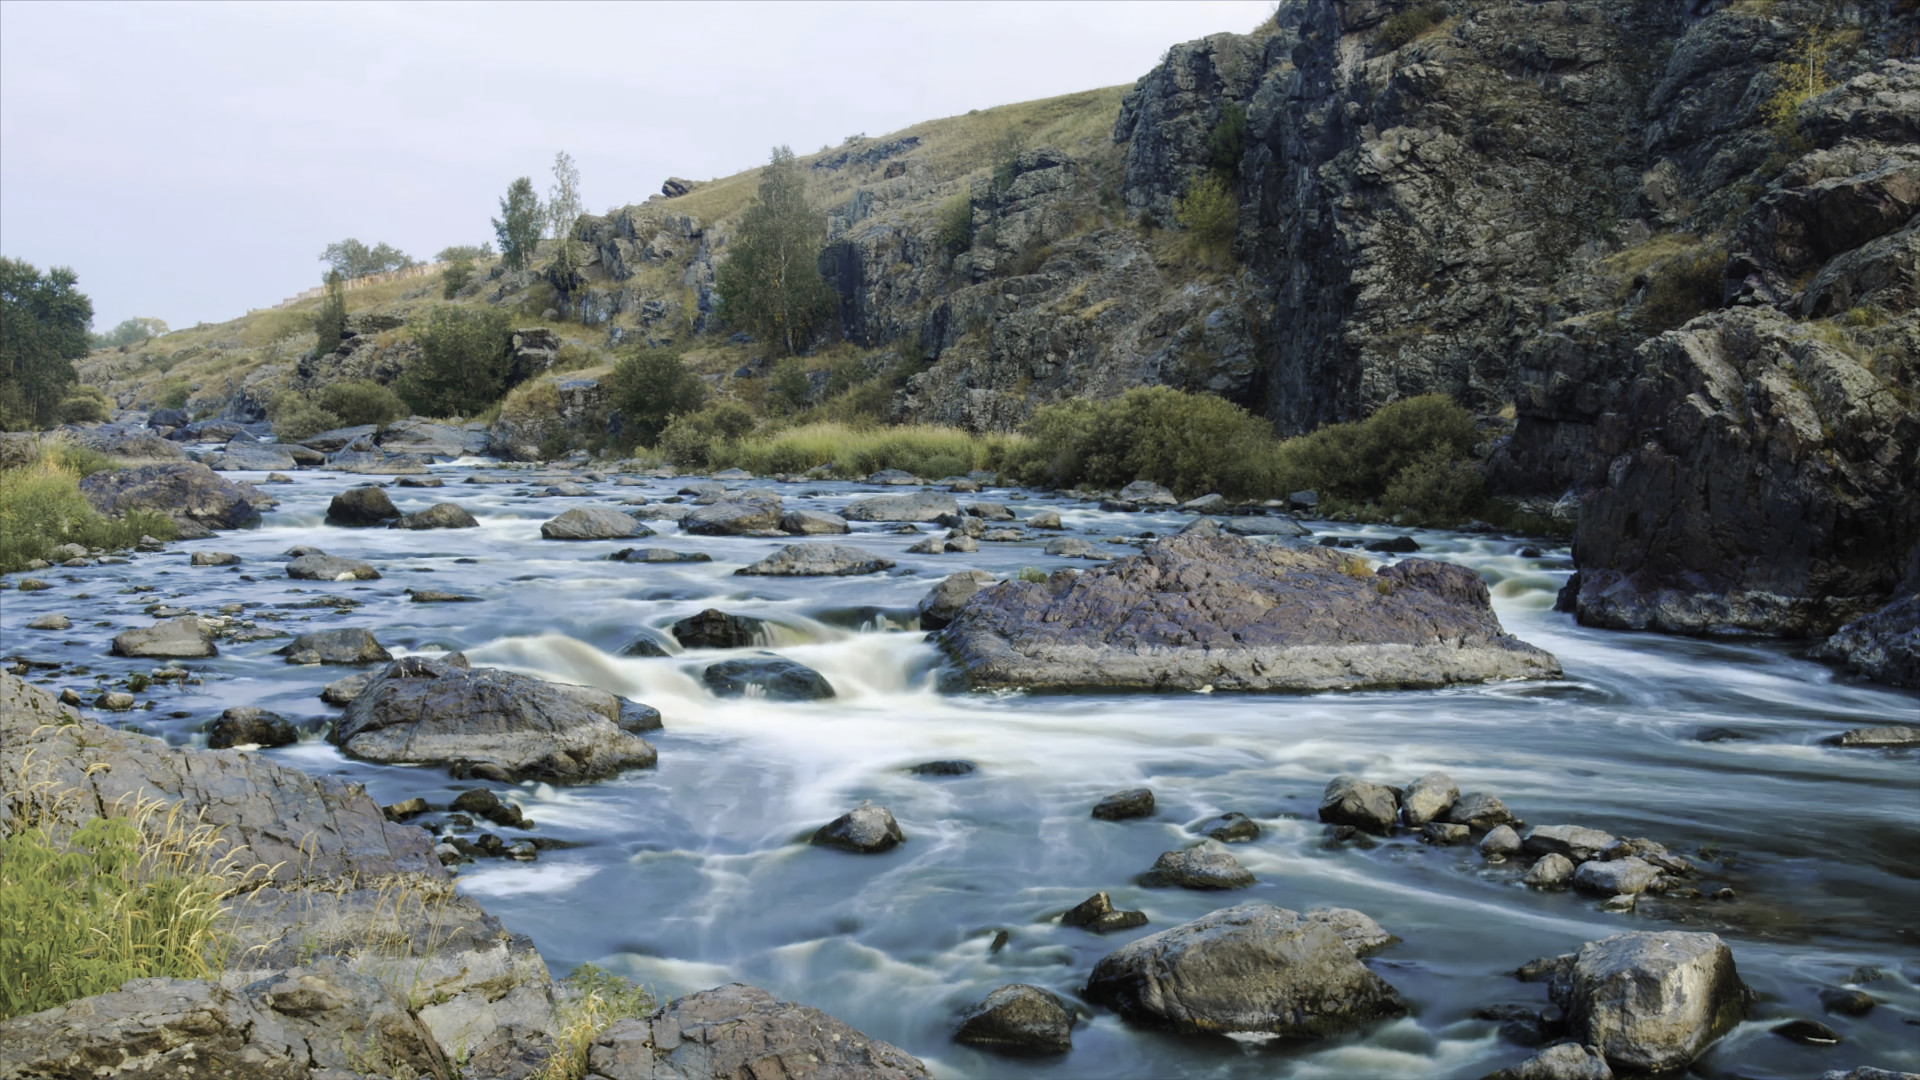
(902,856)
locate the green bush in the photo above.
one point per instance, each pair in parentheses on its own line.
(455,277)
(82,404)
(1208,211)
(650,387)
(358,401)
(1436,489)
(789,390)
(1192,443)
(174,393)
(697,439)
(1227,142)
(1682,287)
(955,234)
(41,508)
(1358,460)
(296,416)
(1410,23)
(465,356)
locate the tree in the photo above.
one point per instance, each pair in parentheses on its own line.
(353,259)
(518,226)
(456,252)
(650,387)
(130,332)
(1208,210)
(1227,143)
(465,356)
(330,322)
(563,198)
(770,284)
(44,323)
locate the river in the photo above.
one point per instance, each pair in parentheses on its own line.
(697,872)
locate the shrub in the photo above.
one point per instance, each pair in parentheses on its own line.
(1682,287)
(1357,460)
(174,393)
(1208,211)
(358,401)
(1227,142)
(1410,23)
(955,234)
(697,439)
(1437,489)
(455,277)
(296,416)
(591,1000)
(82,404)
(789,390)
(650,387)
(41,508)
(465,355)
(1192,443)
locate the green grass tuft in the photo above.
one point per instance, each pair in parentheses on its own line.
(41,508)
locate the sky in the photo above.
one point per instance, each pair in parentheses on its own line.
(190,161)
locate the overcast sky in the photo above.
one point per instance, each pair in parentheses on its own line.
(190,161)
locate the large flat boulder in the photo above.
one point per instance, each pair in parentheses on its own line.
(440,711)
(1250,968)
(1652,1002)
(427,439)
(817,560)
(184,489)
(919,506)
(248,454)
(182,638)
(592,523)
(743,1031)
(1238,614)
(738,516)
(133,447)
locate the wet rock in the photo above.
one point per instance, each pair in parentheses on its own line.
(1620,877)
(1398,545)
(921,506)
(638,719)
(989,511)
(50,622)
(444,515)
(361,506)
(1349,800)
(1275,525)
(741,1031)
(715,629)
(1072,547)
(1867,1072)
(1807,1033)
(1445,835)
(244,724)
(1207,866)
(213,558)
(1846,1002)
(436,711)
(1147,493)
(347,645)
(1234,614)
(480,801)
(114,701)
(1428,798)
(937,608)
(868,830)
(1250,968)
(1652,1002)
(1886,737)
(1044,519)
(1360,934)
(592,523)
(943,768)
(1576,842)
(343,691)
(812,523)
(1206,504)
(659,555)
(178,639)
(185,490)
(644,646)
(962,544)
(1883,645)
(330,568)
(34,584)
(1550,871)
(817,560)
(736,516)
(932,545)
(1018,1019)
(1568,1061)
(1121,805)
(1097,913)
(435,596)
(1478,810)
(776,678)
(406,808)
(1502,842)
(1229,828)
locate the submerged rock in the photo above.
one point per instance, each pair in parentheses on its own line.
(817,560)
(443,515)
(1887,737)
(1652,1002)
(774,677)
(361,506)
(592,523)
(921,506)
(1251,968)
(742,1031)
(658,555)
(715,629)
(183,638)
(347,645)
(867,830)
(1233,614)
(243,725)
(1229,828)
(1121,805)
(330,568)
(1020,1019)
(1097,913)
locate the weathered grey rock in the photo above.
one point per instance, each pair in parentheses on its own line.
(114,701)
(208,431)
(1229,828)
(182,638)
(659,555)
(1018,1019)
(246,454)
(742,1031)
(937,608)
(1883,646)
(1568,1061)
(50,622)
(932,545)
(1214,503)
(817,560)
(736,516)
(242,725)
(812,523)
(987,511)
(1253,968)
(423,438)
(592,523)
(715,629)
(1501,842)
(330,568)
(137,447)
(361,506)
(1479,810)
(1208,865)
(1273,525)
(1350,800)
(436,711)
(1427,798)
(343,691)
(1576,842)
(1044,519)
(1885,737)
(919,506)
(1867,1072)
(777,678)
(337,439)
(1097,913)
(1147,493)
(1121,805)
(436,596)
(213,558)
(1234,614)
(1619,877)
(1652,1002)
(346,645)
(867,830)
(1445,834)
(1552,871)
(377,463)
(443,515)
(186,490)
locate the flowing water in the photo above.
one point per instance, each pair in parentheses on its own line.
(697,872)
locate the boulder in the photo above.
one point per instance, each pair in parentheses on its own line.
(330,568)
(361,506)
(742,1031)
(1097,913)
(213,558)
(1146,493)
(715,629)
(1397,545)
(1550,872)
(347,645)
(50,622)
(182,638)
(777,678)
(1250,968)
(246,454)
(1229,828)
(243,725)
(948,767)
(1885,737)
(1206,504)
(1020,1019)
(208,431)
(168,418)
(1072,547)
(1568,1061)
(592,523)
(337,439)
(1883,646)
(376,463)
(1501,843)
(937,608)
(1121,805)
(1428,798)
(1230,613)
(817,560)
(812,523)
(443,515)
(423,438)
(1275,525)
(1044,519)
(1652,1002)
(867,830)
(1444,834)
(343,691)
(1575,842)
(894,478)
(918,507)
(186,490)
(757,513)
(658,555)
(1479,810)
(989,511)
(1349,800)
(1618,877)
(1206,866)
(438,711)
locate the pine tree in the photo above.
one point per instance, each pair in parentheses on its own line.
(518,226)
(770,284)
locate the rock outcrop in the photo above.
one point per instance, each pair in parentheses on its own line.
(186,490)
(738,1030)
(1236,614)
